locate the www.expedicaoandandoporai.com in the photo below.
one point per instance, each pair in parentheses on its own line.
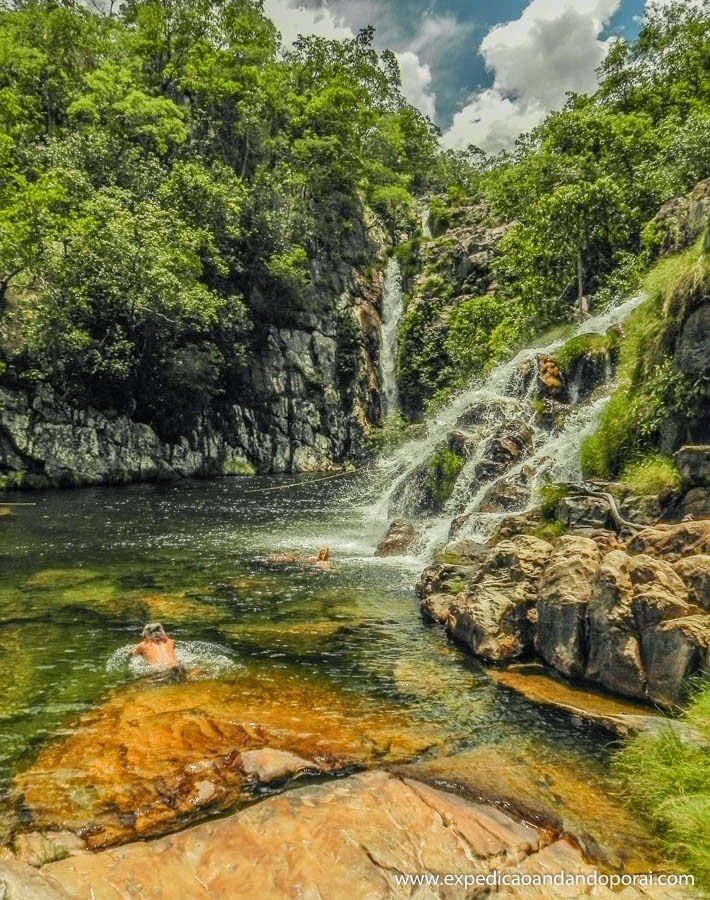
(505,879)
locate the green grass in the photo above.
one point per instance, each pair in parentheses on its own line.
(668,783)
(583,345)
(548,531)
(653,474)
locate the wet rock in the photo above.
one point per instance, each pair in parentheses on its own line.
(692,352)
(37,848)
(583,512)
(400,540)
(464,551)
(506,494)
(593,707)
(463,443)
(436,607)
(267,765)
(549,790)
(362,832)
(694,465)
(673,542)
(673,652)
(522,523)
(445,578)
(512,442)
(493,617)
(695,574)
(550,382)
(563,597)
(156,757)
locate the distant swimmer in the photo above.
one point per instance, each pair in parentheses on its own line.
(156,648)
(321,560)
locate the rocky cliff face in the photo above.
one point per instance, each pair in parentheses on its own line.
(310,394)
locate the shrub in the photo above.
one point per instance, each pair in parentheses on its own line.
(654,474)
(583,345)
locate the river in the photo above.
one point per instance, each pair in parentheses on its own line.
(81,571)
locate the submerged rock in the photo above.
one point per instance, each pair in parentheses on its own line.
(155,757)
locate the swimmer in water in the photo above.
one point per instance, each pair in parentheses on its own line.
(321,560)
(156,648)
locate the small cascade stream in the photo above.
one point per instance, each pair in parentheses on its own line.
(392,310)
(499,407)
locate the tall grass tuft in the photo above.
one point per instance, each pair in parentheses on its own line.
(667,780)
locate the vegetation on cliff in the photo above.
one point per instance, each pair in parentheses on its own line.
(172,182)
(661,401)
(581,191)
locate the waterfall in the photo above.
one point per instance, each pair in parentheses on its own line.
(392,310)
(503,400)
(426,221)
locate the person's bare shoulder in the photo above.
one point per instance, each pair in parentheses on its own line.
(139,649)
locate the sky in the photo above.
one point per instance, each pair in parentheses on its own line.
(483,70)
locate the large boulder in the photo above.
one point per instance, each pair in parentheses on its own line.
(495,617)
(563,597)
(673,542)
(694,465)
(695,573)
(400,540)
(583,511)
(614,652)
(644,639)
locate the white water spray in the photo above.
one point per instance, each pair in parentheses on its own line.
(503,399)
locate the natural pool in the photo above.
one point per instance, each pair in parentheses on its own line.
(81,571)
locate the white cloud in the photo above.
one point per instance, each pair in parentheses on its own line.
(554,47)
(292,20)
(417,83)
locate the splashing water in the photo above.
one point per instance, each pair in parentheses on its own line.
(426,222)
(199,658)
(392,309)
(484,409)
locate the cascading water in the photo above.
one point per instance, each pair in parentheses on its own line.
(498,405)
(392,310)
(426,222)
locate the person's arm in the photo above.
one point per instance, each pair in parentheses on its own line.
(138,650)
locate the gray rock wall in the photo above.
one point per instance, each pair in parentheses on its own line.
(307,405)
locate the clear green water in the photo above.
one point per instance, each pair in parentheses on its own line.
(81,571)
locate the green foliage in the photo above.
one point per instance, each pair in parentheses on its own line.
(238,468)
(550,496)
(652,475)
(391,434)
(167,177)
(439,216)
(443,469)
(654,393)
(577,348)
(667,780)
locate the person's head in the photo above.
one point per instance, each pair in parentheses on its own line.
(154,631)
(324,554)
